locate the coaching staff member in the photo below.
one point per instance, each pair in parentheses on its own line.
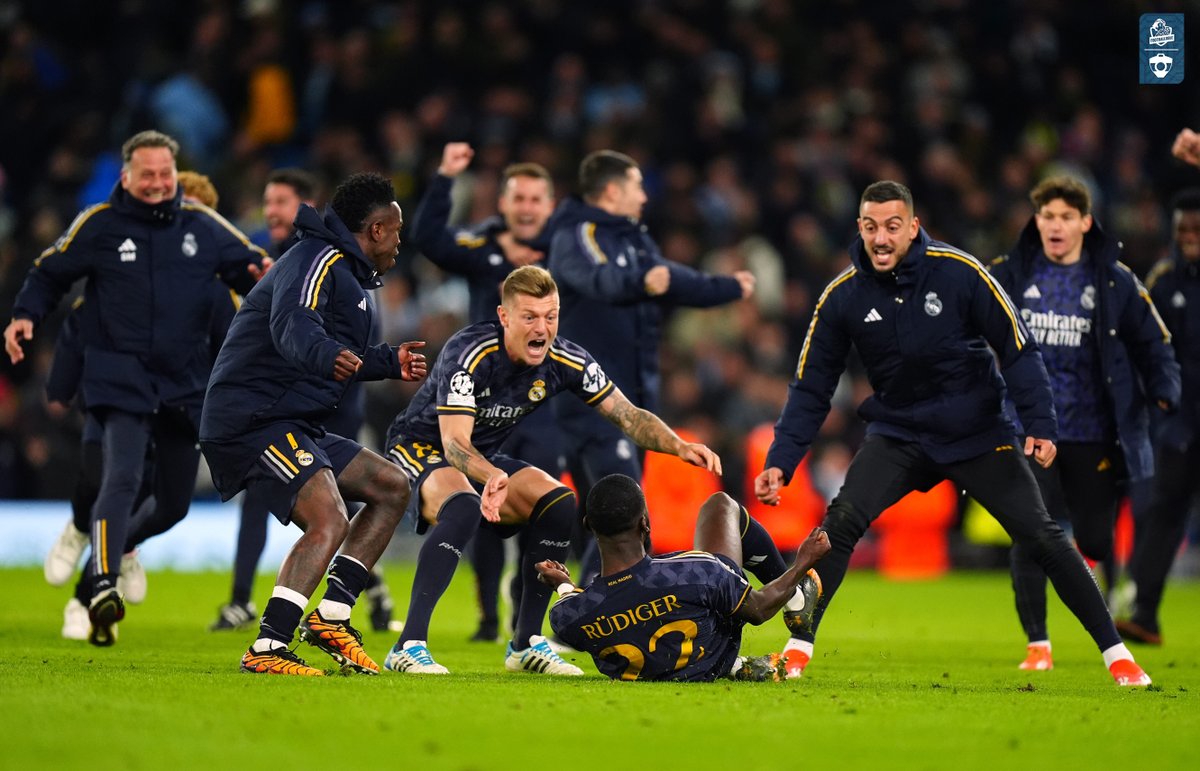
(149,257)
(929,323)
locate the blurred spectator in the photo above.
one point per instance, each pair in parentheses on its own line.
(755,122)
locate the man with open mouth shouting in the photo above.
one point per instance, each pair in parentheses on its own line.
(488,377)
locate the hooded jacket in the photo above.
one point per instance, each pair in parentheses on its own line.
(600,261)
(1137,362)
(150,272)
(277,361)
(926,333)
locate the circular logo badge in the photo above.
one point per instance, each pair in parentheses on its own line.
(462,384)
(189,245)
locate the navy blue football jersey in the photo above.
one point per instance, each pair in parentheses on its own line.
(473,375)
(666,618)
(1059,307)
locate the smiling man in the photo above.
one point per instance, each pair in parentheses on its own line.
(934,331)
(149,258)
(488,377)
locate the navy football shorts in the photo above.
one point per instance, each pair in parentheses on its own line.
(419,459)
(276,461)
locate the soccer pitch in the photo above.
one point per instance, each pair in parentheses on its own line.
(906,675)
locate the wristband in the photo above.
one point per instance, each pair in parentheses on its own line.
(565,588)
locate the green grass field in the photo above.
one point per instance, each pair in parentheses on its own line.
(912,675)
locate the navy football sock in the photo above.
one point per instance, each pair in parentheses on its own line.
(281,616)
(457,523)
(759,554)
(83,586)
(347,578)
(549,539)
(487,558)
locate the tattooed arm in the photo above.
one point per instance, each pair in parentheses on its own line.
(648,431)
(462,455)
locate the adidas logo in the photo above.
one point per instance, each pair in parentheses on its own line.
(873,316)
(128,250)
(362,304)
(1032,293)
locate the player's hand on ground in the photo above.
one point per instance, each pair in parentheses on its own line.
(456,157)
(516,252)
(747,281)
(815,546)
(495,490)
(413,365)
(699,455)
(16,331)
(345,365)
(1042,450)
(657,280)
(552,573)
(767,486)
(256,272)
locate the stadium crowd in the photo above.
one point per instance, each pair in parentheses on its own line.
(756,124)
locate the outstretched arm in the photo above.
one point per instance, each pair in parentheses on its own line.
(762,604)
(648,431)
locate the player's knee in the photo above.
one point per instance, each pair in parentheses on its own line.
(845,523)
(124,483)
(721,499)
(391,492)
(325,522)
(333,529)
(1095,546)
(1044,544)
(554,512)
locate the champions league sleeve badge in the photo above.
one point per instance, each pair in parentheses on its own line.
(1160,44)
(462,391)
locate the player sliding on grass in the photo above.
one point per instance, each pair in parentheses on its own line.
(678,616)
(488,377)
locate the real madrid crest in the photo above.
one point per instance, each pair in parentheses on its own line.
(1088,298)
(189,245)
(537,391)
(1178,300)
(933,306)
(304,457)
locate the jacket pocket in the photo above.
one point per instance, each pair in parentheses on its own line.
(120,380)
